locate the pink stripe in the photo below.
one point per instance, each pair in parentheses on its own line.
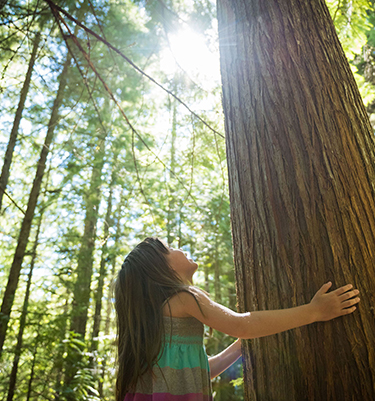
(167,397)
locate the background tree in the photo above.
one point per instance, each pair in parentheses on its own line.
(301,172)
(17,119)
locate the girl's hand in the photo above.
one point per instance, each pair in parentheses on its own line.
(339,302)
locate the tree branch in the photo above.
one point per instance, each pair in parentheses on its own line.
(56,7)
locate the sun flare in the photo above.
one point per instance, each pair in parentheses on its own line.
(188,51)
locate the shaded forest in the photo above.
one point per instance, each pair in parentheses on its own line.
(111,130)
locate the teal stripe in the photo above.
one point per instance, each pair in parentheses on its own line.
(180,356)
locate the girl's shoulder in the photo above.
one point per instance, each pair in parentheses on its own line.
(179,305)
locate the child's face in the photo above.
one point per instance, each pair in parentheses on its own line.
(180,263)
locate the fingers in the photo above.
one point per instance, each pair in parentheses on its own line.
(343,289)
(347,311)
(349,294)
(324,288)
(350,302)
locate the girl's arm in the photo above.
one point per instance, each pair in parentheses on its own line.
(226,358)
(324,306)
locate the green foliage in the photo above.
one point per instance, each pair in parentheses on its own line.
(354,22)
(237,382)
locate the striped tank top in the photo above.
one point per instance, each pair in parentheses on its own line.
(182,372)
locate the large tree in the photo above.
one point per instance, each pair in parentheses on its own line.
(301,164)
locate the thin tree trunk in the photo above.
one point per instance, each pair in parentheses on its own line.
(231,293)
(217,269)
(301,161)
(4,177)
(180,220)
(18,349)
(103,263)
(171,201)
(85,256)
(106,333)
(59,359)
(109,297)
(206,279)
(82,287)
(33,198)
(32,373)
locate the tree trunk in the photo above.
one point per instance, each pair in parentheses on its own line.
(171,214)
(82,287)
(58,363)
(112,259)
(33,198)
(103,264)
(85,256)
(301,164)
(33,363)
(16,123)
(217,273)
(206,278)
(18,349)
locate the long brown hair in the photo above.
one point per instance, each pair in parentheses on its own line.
(143,284)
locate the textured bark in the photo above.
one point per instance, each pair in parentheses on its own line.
(4,177)
(301,161)
(29,215)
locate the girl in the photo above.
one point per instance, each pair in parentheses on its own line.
(160,319)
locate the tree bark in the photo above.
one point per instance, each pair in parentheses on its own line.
(58,363)
(85,256)
(33,198)
(102,274)
(82,286)
(217,273)
(4,177)
(171,213)
(103,264)
(33,363)
(112,261)
(301,161)
(18,349)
